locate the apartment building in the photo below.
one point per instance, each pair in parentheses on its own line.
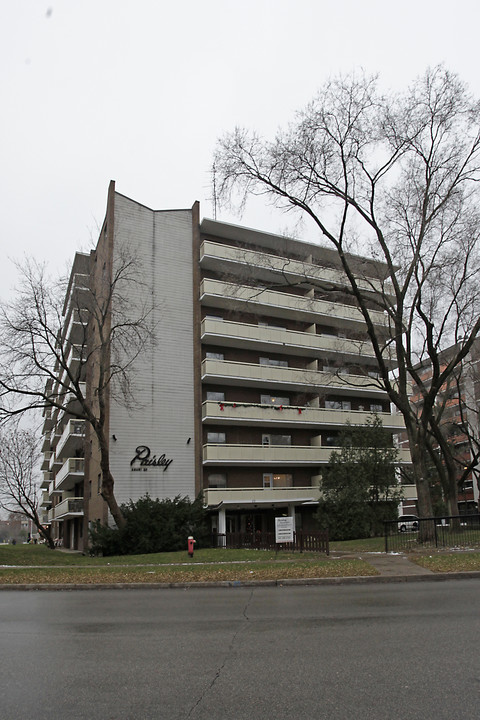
(458,407)
(260,358)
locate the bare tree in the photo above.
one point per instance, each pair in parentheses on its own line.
(56,333)
(19,476)
(394,177)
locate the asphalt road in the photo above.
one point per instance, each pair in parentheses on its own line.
(405,650)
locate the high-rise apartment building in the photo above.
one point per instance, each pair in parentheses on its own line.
(458,413)
(260,358)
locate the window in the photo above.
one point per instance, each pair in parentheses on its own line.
(216,437)
(374,374)
(276,439)
(331,441)
(273,363)
(216,396)
(217,480)
(335,370)
(338,404)
(274,400)
(376,407)
(271,480)
(214,356)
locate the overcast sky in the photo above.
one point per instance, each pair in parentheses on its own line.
(139,91)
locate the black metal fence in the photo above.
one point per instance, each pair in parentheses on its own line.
(302,541)
(458,531)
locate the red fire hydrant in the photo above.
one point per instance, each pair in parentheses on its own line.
(191,542)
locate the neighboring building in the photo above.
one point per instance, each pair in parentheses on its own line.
(459,405)
(260,358)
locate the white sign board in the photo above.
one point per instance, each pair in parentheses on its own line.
(284,529)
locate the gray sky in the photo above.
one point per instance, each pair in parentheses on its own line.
(139,91)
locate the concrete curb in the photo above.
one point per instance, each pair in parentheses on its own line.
(287,582)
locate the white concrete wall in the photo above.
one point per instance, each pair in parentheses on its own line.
(162,416)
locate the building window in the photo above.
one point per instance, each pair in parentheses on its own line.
(276,439)
(376,407)
(274,400)
(335,370)
(216,437)
(99,483)
(214,356)
(331,441)
(273,363)
(216,396)
(217,480)
(271,480)
(338,404)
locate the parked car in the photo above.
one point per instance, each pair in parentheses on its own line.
(407,523)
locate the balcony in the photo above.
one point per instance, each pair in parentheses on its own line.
(228,372)
(76,327)
(69,508)
(243,497)
(277,455)
(54,460)
(230,413)
(217,294)
(46,460)
(71,438)
(273,339)
(46,500)
(53,490)
(47,479)
(269,267)
(72,472)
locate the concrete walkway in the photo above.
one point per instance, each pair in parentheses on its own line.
(394,565)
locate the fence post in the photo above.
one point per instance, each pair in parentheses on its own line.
(386,537)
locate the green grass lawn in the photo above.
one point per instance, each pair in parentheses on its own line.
(36,564)
(451,562)
(41,555)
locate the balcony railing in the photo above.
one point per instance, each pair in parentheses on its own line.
(274,455)
(275,377)
(217,294)
(71,507)
(71,472)
(216,255)
(71,437)
(231,413)
(46,500)
(251,496)
(275,339)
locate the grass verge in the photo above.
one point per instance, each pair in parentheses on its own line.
(257,570)
(453,562)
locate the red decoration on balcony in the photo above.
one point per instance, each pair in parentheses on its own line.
(221,406)
(299,411)
(234,405)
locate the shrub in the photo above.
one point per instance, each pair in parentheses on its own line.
(152,526)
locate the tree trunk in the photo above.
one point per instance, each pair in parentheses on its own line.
(107,479)
(109,497)
(417,452)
